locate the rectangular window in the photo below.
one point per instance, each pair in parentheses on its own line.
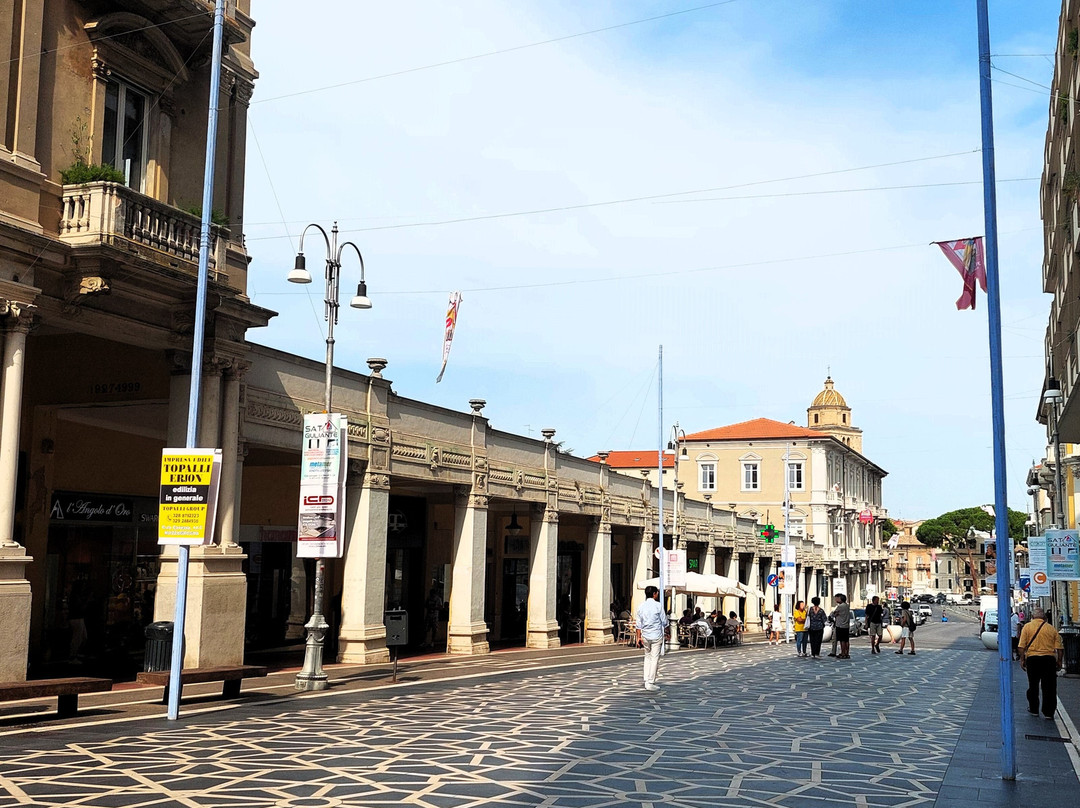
(707,477)
(124,136)
(797,525)
(749,476)
(795,476)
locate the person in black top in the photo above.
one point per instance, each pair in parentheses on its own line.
(875,615)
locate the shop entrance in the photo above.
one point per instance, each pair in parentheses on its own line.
(101,568)
(405,549)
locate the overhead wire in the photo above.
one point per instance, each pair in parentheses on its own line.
(499,52)
(642,198)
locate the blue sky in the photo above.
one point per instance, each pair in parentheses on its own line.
(754,291)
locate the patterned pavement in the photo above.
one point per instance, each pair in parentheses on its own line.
(732,727)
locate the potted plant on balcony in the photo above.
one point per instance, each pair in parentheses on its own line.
(82,171)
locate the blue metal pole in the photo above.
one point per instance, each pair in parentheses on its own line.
(1001,509)
(660,475)
(197,347)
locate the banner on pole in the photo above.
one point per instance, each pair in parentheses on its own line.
(675,568)
(1040,581)
(839,586)
(323,467)
(966,255)
(788,579)
(188,493)
(1062,555)
(448,335)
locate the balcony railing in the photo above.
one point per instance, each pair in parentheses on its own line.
(106,213)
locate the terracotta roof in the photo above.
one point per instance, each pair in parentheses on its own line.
(758,429)
(645,459)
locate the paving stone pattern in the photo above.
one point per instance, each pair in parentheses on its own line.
(734,727)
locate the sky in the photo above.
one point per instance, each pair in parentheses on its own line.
(752,184)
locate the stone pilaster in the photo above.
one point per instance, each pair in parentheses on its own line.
(753,603)
(228,515)
(12,373)
(209,431)
(467,631)
(216,604)
(730,602)
(542,630)
(598,587)
(362,638)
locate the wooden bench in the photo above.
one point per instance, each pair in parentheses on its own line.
(229,675)
(66,691)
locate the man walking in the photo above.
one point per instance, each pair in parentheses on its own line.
(842,626)
(652,622)
(1041,655)
(874,616)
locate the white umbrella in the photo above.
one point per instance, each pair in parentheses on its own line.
(751,591)
(707,585)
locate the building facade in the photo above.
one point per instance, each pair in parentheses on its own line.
(751,468)
(1060,208)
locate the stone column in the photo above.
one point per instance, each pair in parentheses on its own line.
(15,597)
(228,515)
(598,588)
(641,558)
(753,603)
(731,602)
(362,638)
(209,431)
(179,399)
(467,631)
(542,630)
(298,598)
(711,566)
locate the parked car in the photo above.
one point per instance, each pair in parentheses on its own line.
(924,613)
(989,621)
(940,600)
(926,597)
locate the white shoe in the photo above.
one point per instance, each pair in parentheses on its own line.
(651,686)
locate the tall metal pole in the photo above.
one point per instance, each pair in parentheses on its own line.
(788,611)
(1059,488)
(197,347)
(1001,510)
(660,471)
(312,676)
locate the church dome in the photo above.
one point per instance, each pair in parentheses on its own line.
(829,397)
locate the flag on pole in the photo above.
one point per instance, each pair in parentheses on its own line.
(448,337)
(966,255)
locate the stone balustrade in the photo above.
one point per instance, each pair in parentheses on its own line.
(109,213)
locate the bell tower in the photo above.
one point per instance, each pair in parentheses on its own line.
(830,413)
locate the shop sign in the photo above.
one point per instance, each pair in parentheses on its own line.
(187,502)
(323,466)
(75,507)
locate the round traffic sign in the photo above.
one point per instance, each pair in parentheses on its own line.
(1038,577)
(866,517)
(773,580)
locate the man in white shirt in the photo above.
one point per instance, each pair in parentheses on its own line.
(651,622)
(1014,632)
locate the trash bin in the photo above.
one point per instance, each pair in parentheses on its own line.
(1070,638)
(159,639)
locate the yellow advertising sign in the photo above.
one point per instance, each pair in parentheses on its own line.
(187,504)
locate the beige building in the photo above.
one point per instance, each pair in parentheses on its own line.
(1060,206)
(751,467)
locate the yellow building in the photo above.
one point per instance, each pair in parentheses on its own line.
(1060,206)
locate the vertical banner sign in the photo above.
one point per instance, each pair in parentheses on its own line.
(1040,581)
(1024,580)
(323,464)
(839,586)
(1062,555)
(448,335)
(675,568)
(187,502)
(788,579)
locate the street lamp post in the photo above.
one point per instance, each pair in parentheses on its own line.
(1053,397)
(312,676)
(673,448)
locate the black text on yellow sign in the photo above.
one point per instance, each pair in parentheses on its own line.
(188,495)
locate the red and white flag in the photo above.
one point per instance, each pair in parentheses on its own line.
(966,255)
(448,337)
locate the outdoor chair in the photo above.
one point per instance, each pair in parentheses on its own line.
(700,635)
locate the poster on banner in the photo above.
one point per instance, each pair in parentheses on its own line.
(188,494)
(1040,581)
(788,578)
(1062,555)
(675,568)
(871,591)
(839,586)
(323,466)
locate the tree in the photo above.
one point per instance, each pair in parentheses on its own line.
(888,529)
(950,533)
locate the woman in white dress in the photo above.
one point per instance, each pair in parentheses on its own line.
(776,625)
